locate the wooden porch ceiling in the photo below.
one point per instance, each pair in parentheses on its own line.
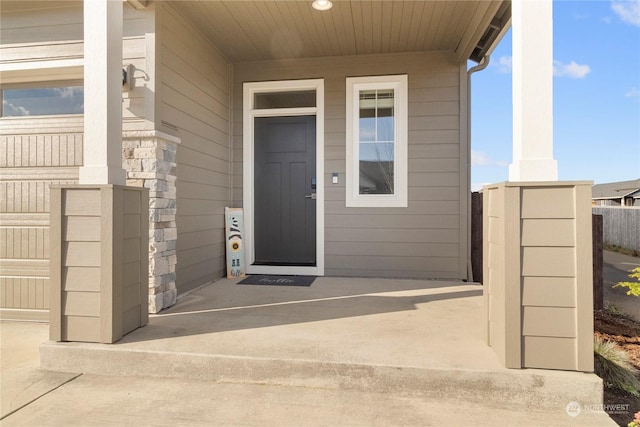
(264,30)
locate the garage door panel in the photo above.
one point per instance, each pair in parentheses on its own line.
(30,162)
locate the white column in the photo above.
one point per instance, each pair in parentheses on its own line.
(102,93)
(532,22)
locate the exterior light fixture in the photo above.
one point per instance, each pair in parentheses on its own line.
(127,78)
(321,4)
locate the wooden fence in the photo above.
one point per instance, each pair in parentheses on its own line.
(597,232)
(598,260)
(621,225)
(476,236)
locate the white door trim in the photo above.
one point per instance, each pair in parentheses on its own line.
(248,116)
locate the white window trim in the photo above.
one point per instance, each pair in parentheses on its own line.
(399,84)
(42,71)
(249,114)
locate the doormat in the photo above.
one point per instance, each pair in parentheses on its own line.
(263,279)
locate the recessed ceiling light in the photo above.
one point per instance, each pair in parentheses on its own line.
(321,4)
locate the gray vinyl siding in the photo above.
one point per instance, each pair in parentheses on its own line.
(195,106)
(426,239)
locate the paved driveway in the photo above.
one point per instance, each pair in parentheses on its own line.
(616,269)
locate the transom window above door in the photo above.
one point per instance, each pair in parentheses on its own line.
(288,99)
(276,97)
(376,145)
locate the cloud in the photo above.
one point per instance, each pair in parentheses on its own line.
(503,65)
(68,92)
(606,20)
(627,10)
(478,158)
(477,186)
(12,110)
(633,93)
(571,70)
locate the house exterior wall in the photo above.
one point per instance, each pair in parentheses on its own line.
(428,238)
(40,44)
(185,88)
(608,202)
(52,31)
(51,34)
(194,105)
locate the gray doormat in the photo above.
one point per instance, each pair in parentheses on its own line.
(263,279)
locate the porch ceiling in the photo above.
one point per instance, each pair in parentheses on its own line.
(265,30)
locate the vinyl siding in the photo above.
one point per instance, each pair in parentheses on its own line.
(195,106)
(538,235)
(99,271)
(36,152)
(426,239)
(548,238)
(54,31)
(45,32)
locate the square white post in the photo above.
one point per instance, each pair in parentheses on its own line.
(532,22)
(102,93)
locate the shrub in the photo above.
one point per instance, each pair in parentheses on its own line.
(634,287)
(613,366)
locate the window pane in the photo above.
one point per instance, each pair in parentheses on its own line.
(293,99)
(385,128)
(376,141)
(376,168)
(367,127)
(42,101)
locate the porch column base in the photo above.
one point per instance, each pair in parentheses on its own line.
(98,260)
(149,158)
(538,274)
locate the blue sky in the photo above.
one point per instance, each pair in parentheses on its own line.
(596,104)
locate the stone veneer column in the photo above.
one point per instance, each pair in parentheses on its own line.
(149,159)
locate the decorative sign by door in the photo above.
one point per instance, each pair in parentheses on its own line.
(235,251)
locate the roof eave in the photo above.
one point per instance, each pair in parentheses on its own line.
(493,34)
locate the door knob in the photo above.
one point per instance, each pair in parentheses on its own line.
(311,196)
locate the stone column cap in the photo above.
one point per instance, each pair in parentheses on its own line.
(135,134)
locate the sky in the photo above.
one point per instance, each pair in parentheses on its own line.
(596,100)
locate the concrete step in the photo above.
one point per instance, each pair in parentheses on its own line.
(527,388)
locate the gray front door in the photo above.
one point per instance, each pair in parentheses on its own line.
(284,190)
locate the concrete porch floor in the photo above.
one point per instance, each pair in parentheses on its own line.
(413,337)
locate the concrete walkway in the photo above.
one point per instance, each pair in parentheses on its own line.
(22,382)
(341,352)
(616,268)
